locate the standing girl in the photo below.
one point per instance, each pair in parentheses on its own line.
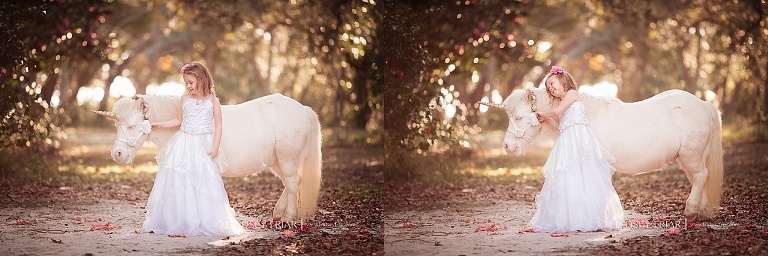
(577,194)
(188,197)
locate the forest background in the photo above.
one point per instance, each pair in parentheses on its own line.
(402,75)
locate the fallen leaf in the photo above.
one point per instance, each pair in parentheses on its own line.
(559,235)
(528,229)
(106,227)
(491,228)
(673,231)
(287,233)
(56,241)
(182,235)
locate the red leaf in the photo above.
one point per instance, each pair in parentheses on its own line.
(673,231)
(106,227)
(287,233)
(491,228)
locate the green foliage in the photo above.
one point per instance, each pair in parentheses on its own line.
(38,36)
(419,42)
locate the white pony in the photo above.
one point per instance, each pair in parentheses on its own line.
(642,136)
(273,131)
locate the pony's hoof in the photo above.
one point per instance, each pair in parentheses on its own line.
(691,217)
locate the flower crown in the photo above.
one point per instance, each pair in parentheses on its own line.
(556,70)
(184,67)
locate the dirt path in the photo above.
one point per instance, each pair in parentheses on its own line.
(92,206)
(67,230)
(483,208)
(471,231)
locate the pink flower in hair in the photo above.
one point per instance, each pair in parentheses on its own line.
(556,70)
(184,68)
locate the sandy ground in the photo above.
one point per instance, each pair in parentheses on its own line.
(66,230)
(452,231)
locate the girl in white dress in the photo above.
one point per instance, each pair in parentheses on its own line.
(577,194)
(188,197)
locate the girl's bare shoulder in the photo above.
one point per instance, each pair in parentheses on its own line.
(573,94)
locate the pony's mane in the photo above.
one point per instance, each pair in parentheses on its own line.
(599,101)
(161,107)
(543,101)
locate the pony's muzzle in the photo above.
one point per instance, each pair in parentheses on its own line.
(510,150)
(119,156)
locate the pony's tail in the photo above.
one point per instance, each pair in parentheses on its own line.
(310,171)
(713,187)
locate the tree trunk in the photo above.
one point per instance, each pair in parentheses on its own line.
(117,70)
(630,91)
(690,81)
(48,87)
(764,111)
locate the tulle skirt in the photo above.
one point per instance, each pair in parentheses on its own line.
(577,194)
(188,196)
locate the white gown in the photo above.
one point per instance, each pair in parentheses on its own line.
(188,196)
(577,194)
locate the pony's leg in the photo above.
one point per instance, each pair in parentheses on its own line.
(287,206)
(693,163)
(279,210)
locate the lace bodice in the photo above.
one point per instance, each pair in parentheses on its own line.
(574,115)
(197,118)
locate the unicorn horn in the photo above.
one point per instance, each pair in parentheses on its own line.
(106,114)
(497,106)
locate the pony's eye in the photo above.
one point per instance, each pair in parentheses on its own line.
(131,126)
(518,118)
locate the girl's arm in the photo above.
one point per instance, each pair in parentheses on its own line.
(554,122)
(214,152)
(570,97)
(173,122)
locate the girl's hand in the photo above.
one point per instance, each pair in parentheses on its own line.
(213,153)
(540,117)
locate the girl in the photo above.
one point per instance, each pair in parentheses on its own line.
(577,194)
(188,197)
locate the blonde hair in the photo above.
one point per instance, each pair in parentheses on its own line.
(565,79)
(203,76)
